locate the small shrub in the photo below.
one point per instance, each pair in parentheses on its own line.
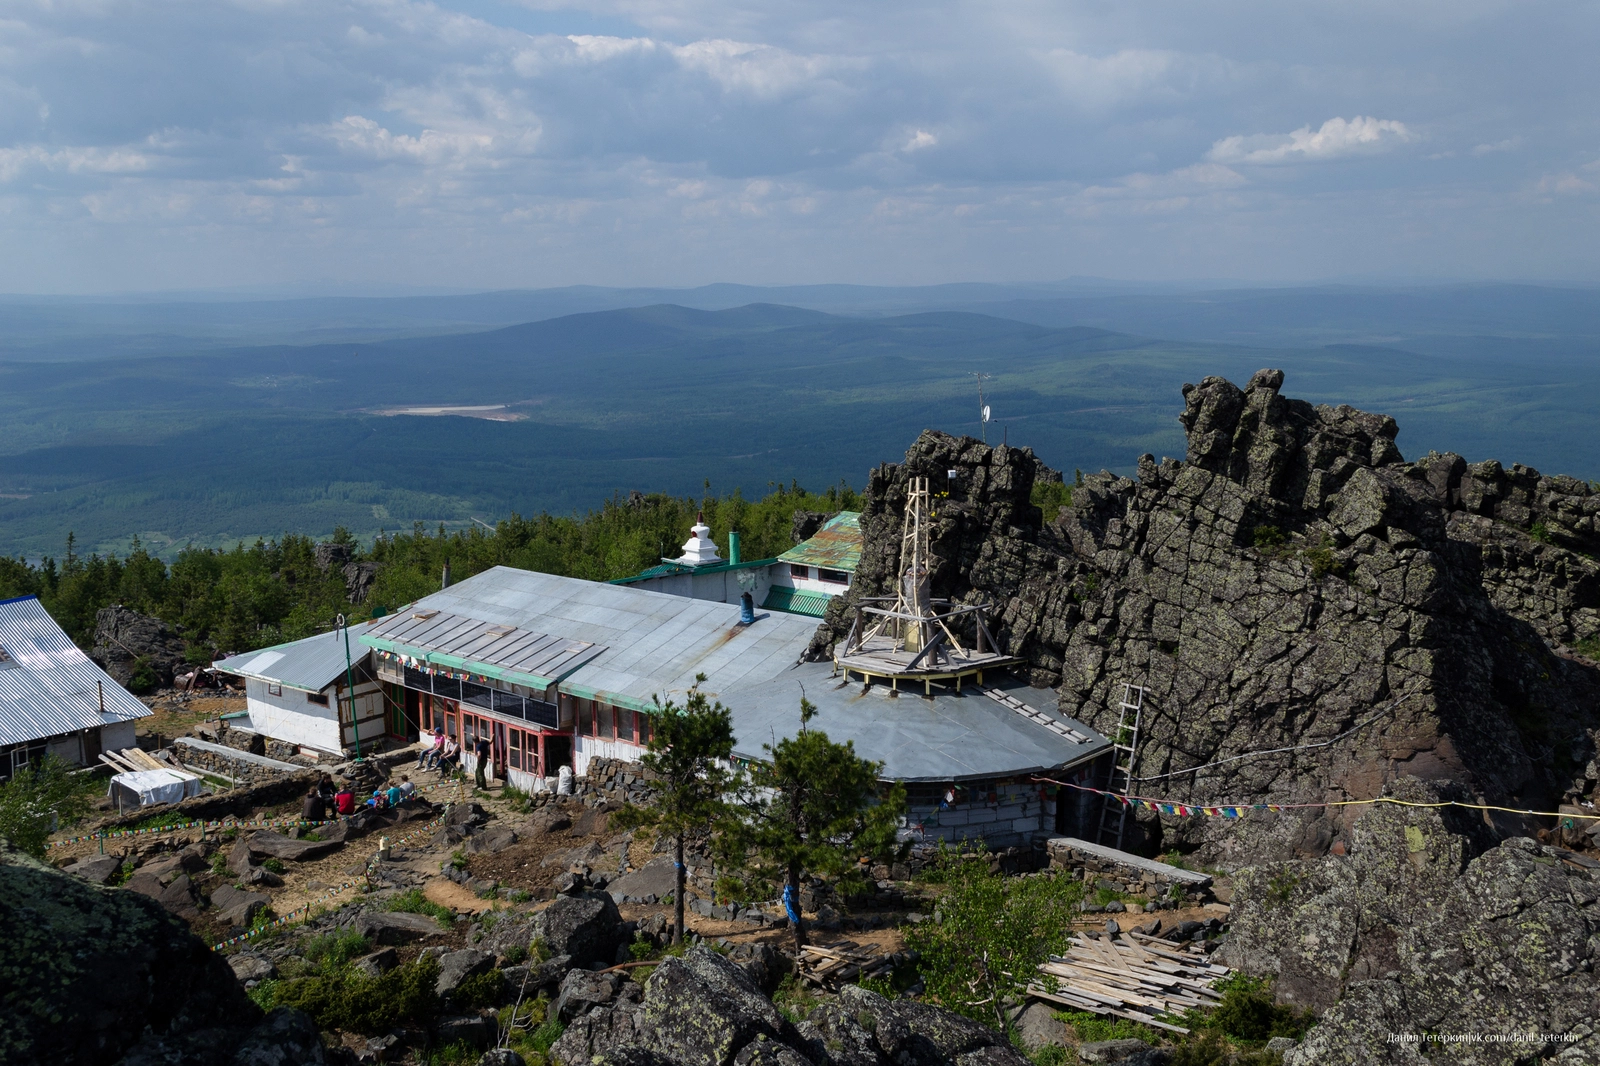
(311,835)
(274,865)
(519,895)
(1268,538)
(484,990)
(413,901)
(219,864)
(458,860)
(1249,1012)
(517,799)
(1540,533)
(1588,648)
(1103,896)
(1205,1049)
(1050,497)
(547,1034)
(1322,560)
(460,1053)
(641,949)
(1053,1055)
(884,986)
(515,954)
(344,998)
(335,949)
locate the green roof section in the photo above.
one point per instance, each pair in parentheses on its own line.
(836,546)
(796,601)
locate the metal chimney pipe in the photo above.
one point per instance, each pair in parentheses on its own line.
(733,548)
(444,581)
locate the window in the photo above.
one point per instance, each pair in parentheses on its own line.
(605,722)
(796,570)
(274,689)
(514,750)
(319,698)
(449,724)
(833,577)
(624,725)
(469,731)
(643,721)
(585,718)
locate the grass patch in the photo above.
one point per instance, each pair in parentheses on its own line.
(1589,648)
(275,866)
(333,950)
(1092,1027)
(413,901)
(484,990)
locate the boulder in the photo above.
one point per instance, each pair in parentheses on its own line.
(252,966)
(97,869)
(701,1009)
(1110,1051)
(239,861)
(658,877)
(287,1037)
(474,1030)
(395,927)
(377,963)
(237,907)
(91,971)
(583,989)
(456,966)
(586,927)
(907,1031)
(1038,1026)
(491,840)
(276,845)
(614,1034)
(541,977)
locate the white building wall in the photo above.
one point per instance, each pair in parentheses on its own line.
(586,748)
(778,574)
(118,735)
(68,749)
(292,718)
(722,587)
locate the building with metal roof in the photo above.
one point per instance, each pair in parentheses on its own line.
(53,698)
(298,694)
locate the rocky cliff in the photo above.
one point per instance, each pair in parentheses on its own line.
(1293,582)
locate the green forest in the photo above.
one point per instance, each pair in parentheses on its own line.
(225,601)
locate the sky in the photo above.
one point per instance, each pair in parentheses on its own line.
(173,144)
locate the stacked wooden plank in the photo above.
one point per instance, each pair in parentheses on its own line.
(133,760)
(841,964)
(1141,978)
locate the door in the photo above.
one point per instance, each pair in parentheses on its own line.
(499,749)
(557,752)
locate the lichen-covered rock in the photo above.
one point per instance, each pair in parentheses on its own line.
(1410,934)
(1291,582)
(603,1031)
(587,928)
(86,971)
(457,966)
(702,1009)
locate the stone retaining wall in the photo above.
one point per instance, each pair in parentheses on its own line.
(1133,875)
(242,766)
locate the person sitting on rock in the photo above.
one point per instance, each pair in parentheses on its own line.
(407,789)
(450,757)
(428,758)
(328,791)
(379,801)
(392,795)
(344,801)
(315,807)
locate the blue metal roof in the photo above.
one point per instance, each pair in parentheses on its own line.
(48,686)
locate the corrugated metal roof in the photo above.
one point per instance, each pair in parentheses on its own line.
(836,546)
(946,738)
(649,643)
(48,686)
(308,665)
(796,601)
(513,650)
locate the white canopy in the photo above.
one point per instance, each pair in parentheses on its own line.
(153,786)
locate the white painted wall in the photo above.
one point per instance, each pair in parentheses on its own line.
(69,749)
(118,735)
(779,575)
(292,718)
(586,748)
(717,588)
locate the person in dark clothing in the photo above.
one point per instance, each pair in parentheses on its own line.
(327,790)
(482,752)
(314,809)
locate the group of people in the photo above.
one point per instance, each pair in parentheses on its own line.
(325,797)
(444,755)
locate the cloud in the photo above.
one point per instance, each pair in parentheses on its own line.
(79,160)
(1336,139)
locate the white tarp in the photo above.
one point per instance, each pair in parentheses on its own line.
(152,786)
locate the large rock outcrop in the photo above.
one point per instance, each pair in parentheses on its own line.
(1293,582)
(93,975)
(1421,929)
(137,650)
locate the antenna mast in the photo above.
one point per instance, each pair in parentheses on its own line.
(983,411)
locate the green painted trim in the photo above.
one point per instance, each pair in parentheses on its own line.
(600,695)
(684,568)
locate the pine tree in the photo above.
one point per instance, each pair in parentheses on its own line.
(688,755)
(814,807)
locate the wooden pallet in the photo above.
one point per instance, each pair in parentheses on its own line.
(841,964)
(1141,978)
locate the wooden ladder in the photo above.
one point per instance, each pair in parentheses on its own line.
(1114,815)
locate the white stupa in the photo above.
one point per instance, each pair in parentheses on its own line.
(699,549)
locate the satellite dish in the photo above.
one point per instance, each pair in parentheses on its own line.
(986,412)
